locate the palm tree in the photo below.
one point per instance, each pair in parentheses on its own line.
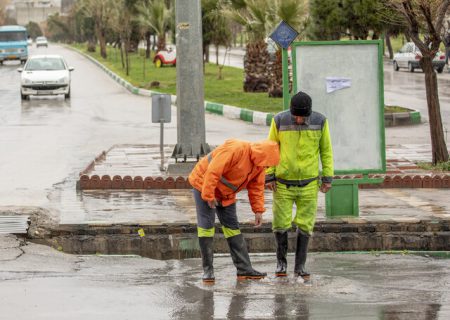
(155,15)
(253,16)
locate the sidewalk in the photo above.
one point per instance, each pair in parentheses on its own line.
(160,222)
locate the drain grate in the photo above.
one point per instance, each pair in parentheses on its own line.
(14,224)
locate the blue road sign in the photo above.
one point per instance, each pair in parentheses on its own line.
(283,35)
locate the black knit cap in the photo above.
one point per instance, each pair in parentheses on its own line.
(301,105)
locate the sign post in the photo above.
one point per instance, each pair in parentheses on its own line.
(161,112)
(284,35)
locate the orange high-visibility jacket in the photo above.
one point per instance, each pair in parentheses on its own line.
(233,166)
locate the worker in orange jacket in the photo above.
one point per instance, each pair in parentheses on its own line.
(216,179)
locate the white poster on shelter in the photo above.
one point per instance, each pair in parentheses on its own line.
(337,83)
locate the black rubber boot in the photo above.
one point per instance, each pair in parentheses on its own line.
(207,251)
(300,255)
(282,248)
(241,259)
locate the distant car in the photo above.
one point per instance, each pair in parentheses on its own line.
(41,42)
(45,75)
(409,56)
(165,57)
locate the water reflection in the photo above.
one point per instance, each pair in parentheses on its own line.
(37,104)
(411,312)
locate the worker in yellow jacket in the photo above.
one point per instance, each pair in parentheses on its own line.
(304,139)
(216,179)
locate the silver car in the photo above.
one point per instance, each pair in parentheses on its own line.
(409,56)
(41,42)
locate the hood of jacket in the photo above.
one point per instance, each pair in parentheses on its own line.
(265,153)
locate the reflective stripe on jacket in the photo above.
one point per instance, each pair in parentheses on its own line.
(300,148)
(233,166)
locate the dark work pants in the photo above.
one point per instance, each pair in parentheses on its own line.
(206,216)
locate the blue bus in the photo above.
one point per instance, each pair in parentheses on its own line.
(13,43)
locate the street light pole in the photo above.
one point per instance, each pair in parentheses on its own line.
(191,142)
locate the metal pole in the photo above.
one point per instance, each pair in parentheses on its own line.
(161,143)
(191,141)
(285,64)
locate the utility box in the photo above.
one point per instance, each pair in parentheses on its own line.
(161,108)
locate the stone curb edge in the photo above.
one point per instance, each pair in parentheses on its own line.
(118,182)
(402,118)
(230,112)
(171,241)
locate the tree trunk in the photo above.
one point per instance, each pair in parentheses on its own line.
(100,34)
(121,54)
(102,42)
(147,45)
(438,147)
(276,76)
(127,56)
(217,54)
(389,45)
(154,42)
(206,53)
(161,42)
(255,67)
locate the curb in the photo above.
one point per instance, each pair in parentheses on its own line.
(230,112)
(179,241)
(402,118)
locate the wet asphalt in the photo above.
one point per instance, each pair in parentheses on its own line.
(38,282)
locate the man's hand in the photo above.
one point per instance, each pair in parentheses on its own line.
(272,185)
(213,203)
(325,187)
(258,220)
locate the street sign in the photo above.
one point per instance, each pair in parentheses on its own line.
(161,108)
(283,35)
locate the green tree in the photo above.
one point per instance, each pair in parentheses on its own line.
(156,16)
(101,11)
(426,18)
(34,30)
(252,15)
(327,21)
(361,17)
(215,28)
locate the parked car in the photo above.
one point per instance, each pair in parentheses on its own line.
(409,56)
(45,75)
(41,42)
(165,57)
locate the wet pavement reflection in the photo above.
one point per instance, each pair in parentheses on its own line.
(344,286)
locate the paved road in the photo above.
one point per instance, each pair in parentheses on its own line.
(37,283)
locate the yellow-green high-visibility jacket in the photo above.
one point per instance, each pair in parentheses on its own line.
(300,148)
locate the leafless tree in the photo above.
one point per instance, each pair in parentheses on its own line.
(424,22)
